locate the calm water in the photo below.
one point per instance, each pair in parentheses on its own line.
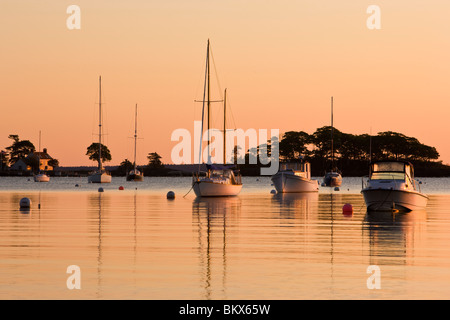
(136,244)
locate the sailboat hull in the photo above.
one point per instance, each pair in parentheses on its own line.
(135,177)
(332,179)
(41,178)
(211,189)
(99,178)
(290,183)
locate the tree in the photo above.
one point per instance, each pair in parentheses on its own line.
(92,152)
(154,160)
(4,157)
(124,167)
(19,149)
(54,163)
(294,144)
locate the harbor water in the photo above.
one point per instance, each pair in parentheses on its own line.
(137,244)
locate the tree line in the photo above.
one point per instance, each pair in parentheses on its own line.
(346,146)
(350,153)
(22,149)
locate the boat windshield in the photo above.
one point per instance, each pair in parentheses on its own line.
(387,176)
(388,171)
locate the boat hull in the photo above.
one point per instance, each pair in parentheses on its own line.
(211,189)
(289,183)
(135,177)
(332,180)
(391,199)
(99,178)
(41,178)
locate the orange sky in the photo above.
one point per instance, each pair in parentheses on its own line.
(280,60)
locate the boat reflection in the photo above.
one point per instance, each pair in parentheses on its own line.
(395,238)
(293,205)
(213,216)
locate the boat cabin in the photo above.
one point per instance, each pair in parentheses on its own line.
(301,169)
(397,172)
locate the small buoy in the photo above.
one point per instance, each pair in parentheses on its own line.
(347,209)
(336,188)
(25,203)
(273,191)
(100,189)
(257,179)
(121,188)
(170,195)
(77,185)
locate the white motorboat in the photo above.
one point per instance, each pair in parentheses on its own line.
(100,175)
(295,177)
(391,187)
(135,174)
(218,181)
(332,178)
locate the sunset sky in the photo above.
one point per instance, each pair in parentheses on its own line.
(280,60)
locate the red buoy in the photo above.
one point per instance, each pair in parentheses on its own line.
(347,209)
(121,188)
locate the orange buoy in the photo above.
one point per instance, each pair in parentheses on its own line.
(347,209)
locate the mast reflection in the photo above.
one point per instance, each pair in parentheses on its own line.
(212,216)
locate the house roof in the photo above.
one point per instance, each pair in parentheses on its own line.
(41,155)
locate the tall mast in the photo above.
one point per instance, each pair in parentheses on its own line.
(135,136)
(39,154)
(224,126)
(208,97)
(100,124)
(332,129)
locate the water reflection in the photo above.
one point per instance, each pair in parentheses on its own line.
(212,216)
(394,238)
(291,205)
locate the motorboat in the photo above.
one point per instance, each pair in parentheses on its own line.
(391,187)
(295,177)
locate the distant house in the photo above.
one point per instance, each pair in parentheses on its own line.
(44,159)
(20,165)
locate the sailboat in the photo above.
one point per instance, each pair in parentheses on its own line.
(40,176)
(135,174)
(332,178)
(218,180)
(100,175)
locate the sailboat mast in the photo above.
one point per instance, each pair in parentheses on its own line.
(224,126)
(135,136)
(332,129)
(208,97)
(100,123)
(39,154)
